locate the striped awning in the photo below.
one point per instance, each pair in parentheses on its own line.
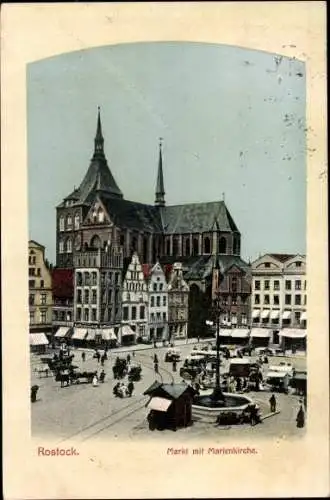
(79,333)
(62,331)
(260,333)
(265,314)
(256,313)
(159,404)
(108,334)
(275,314)
(286,315)
(240,332)
(38,339)
(293,333)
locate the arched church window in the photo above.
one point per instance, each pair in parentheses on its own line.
(188,246)
(195,246)
(207,245)
(223,245)
(95,242)
(69,245)
(61,223)
(236,249)
(69,222)
(175,246)
(100,215)
(76,221)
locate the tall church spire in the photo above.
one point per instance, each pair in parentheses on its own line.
(99,140)
(160,191)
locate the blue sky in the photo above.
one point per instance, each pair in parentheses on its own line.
(232,120)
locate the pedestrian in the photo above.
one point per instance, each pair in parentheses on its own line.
(83,356)
(98,356)
(34,390)
(133,352)
(102,376)
(128,359)
(130,388)
(155,344)
(272,403)
(102,360)
(254,415)
(300,417)
(155,358)
(156,367)
(95,380)
(174,365)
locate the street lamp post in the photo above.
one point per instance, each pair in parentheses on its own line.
(217,394)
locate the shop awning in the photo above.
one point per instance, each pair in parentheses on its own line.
(260,333)
(286,315)
(303,317)
(240,332)
(159,404)
(225,332)
(91,334)
(108,334)
(38,339)
(276,375)
(275,314)
(79,333)
(126,330)
(265,314)
(293,333)
(62,331)
(256,313)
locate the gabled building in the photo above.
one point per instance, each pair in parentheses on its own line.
(178,307)
(97,289)
(158,302)
(279,297)
(134,319)
(40,290)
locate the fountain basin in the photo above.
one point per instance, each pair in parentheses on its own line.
(205,409)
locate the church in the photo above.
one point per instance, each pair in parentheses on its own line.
(96,216)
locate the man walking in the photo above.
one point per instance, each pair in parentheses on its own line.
(272,403)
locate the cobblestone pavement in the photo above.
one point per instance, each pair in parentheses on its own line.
(81,412)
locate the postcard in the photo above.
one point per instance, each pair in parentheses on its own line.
(164,238)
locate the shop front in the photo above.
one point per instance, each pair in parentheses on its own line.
(38,342)
(127,335)
(240,336)
(260,337)
(293,339)
(79,337)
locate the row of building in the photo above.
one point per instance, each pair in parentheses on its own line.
(155,302)
(145,271)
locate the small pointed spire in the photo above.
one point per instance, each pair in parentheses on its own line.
(160,191)
(99,140)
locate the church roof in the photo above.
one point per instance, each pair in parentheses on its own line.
(132,215)
(197,218)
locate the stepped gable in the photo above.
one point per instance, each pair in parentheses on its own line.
(197,218)
(132,215)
